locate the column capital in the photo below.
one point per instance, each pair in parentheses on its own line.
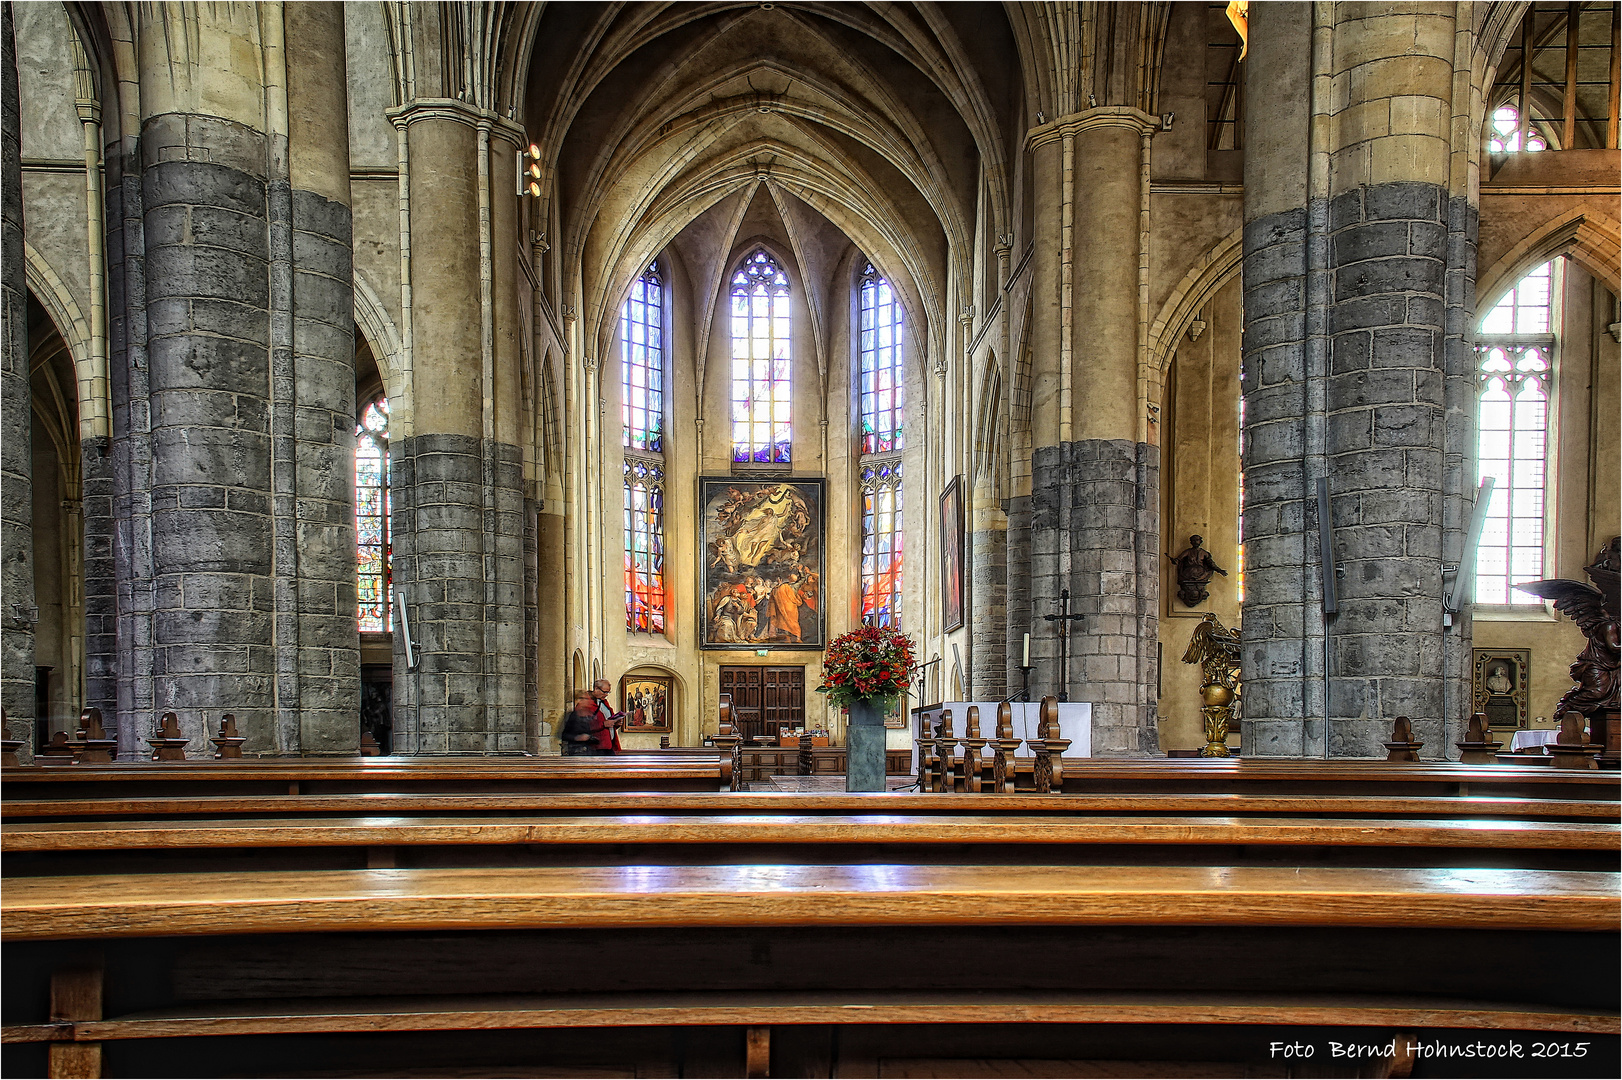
(459,112)
(1102,116)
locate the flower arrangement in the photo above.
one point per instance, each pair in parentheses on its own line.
(871,665)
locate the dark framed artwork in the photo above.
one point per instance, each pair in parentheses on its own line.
(645,701)
(1499,686)
(763,563)
(952,554)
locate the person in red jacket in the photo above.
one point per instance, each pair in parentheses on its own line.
(608,721)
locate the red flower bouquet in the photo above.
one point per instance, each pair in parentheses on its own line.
(871,664)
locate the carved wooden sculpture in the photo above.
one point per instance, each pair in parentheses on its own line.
(1477,747)
(944,780)
(1596,613)
(8,745)
(1049,748)
(59,751)
(169,744)
(1402,746)
(1003,747)
(228,743)
(926,756)
(729,741)
(972,744)
(1572,751)
(91,746)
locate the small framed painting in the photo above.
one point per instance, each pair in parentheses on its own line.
(645,700)
(1499,686)
(952,555)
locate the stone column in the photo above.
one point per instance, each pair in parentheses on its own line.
(988,536)
(1385,401)
(1281,661)
(317,640)
(1346,262)
(16,418)
(1095,491)
(204,158)
(457,477)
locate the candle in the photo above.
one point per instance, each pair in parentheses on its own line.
(1027,661)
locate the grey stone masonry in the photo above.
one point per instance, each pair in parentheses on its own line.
(1283,702)
(458,529)
(1018,586)
(988,621)
(1385,425)
(1095,529)
(17,611)
(327,652)
(1459,458)
(100,582)
(128,386)
(207,321)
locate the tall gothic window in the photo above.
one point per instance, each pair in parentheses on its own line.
(642,364)
(880,403)
(882,393)
(1514,354)
(762,432)
(881,543)
(372,544)
(644,546)
(642,409)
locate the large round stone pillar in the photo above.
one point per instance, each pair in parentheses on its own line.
(1385,409)
(318,643)
(1095,487)
(456,476)
(16,419)
(1347,257)
(205,416)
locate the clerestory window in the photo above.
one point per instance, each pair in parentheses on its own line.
(762,428)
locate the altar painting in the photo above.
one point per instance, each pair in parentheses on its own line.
(645,701)
(763,563)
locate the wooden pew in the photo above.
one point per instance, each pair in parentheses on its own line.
(652,771)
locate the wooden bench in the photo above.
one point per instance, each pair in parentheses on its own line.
(1059,807)
(650,771)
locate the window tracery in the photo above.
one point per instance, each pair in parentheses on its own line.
(882,537)
(762,429)
(1514,354)
(880,406)
(373,546)
(642,367)
(882,392)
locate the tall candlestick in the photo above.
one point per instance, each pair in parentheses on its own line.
(1026,662)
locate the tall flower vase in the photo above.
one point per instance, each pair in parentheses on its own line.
(864,747)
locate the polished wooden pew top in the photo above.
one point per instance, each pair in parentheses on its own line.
(792,828)
(1052,807)
(800,1007)
(379,769)
(101,906)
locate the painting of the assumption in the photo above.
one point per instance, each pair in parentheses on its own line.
(763,563)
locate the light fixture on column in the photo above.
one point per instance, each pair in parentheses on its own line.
(529,171)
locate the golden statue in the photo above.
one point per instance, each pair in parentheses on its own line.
(1216,649)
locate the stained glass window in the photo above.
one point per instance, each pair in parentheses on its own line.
(644,546)
(882,396)
(642,364)
(1514,353)
(881,543)
(1504,132)
(372,545)
(762,432)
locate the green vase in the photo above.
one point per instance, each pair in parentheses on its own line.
(864,746)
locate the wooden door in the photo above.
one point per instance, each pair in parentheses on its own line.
(783,693)
(765,700)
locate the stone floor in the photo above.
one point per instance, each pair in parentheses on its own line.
(823,785)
